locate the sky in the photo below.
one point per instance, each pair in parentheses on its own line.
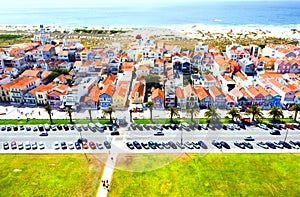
(84,3)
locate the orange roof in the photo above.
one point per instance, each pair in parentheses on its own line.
(78,63)
(271,91)
(262,90)
(297,94)
(283,50)
(109,80)
(158,92)
(108,89)
(30,73)
(220,61)
(159,61)
(279,85)
(43,88)
(227,78)
(22,82)
(47,47)
(179,93)
(121,91)
(210,78)
(58,94)
(138,87)
(216,91)
(127,66)
(45,74)
(93,95)
(63,53)
(201,92)
(245,93)
(253,91)
(123,83)
(8,69)
(291,86)
(241,76)
(229,97)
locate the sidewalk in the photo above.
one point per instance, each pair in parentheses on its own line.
(107,174)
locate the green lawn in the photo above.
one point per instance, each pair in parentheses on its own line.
(282,120)
(47,121)
(207,175)
(50,175)
(187,120)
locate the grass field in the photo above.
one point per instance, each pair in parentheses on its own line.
(50,175)
(47,121)
(208,175)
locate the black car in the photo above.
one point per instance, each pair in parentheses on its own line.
(275,132)
(248,145)
(130,145)
(15,128)
(81,140)
(107,144)
(3,128)
(147,127)
(271,145)
(224,127)
(66,127)
(285,144)
(159,133)
(41,128)
(217,144)
(278,145)
(159,145)
(5,145)
(242,125)
(202,144)
(197,126)
(22,127)
(270,126)
(225,144)
(115,133)
(145,145)
(137,145)
(8,128)
(28,128)
(196,145)
(44,134)
(59,127)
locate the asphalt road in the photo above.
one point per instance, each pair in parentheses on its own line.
(119,142)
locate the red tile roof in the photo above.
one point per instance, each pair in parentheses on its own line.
(158,92)
(138,87)
(179,93)
(201,92)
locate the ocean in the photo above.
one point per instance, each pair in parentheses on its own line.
(230,13)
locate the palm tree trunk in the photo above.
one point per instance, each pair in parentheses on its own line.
(295,116)
(151,115)
(90,113)
(253,117)
(232,119)
(192,117)
(50,118)
(70,116)
(110,118)
(171,117)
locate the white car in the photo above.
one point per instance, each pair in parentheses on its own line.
(56,145)
(27,145)
(71,145)
(42,145)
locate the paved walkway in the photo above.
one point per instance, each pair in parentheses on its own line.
(107,174)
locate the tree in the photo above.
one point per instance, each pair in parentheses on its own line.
(70,82)
(173,112)
(276,113)
(234,112)
(296,108)
(109,111)
(90,114)
(48,109)
(193,111)
(149,105)
(212,114)
(255,111)
(69,113)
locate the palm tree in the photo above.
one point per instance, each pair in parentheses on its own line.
(296,109)
(90,114)
(109,111)
(234,112)
(149,105)
(212,114)
(193,111)
(69,113)
(255,111)
(276,113)
(173,112)
(48,109)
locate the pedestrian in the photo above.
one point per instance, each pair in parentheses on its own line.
(112,158)
(107,181)
(107,190)
(104,185)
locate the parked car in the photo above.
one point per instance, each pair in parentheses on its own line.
(196,145)
(34,145)
(107,145)
(66,127)
(34,128)
(99,146)
(159,133)
(275,132)
(115,133)
(53,128)
(28,128)
(59,127)
(77,145)
(92,145)
(263,145)
(71,145)
(27,145)
(239,144)
(63,145)
(85,145)
(216,144)
(41,127)
(145,145)
(85,127)
(22,128)
(285,144)
(225,144)
(47,127)
(152,144)
(271,145)
(15,128)
(78,128)
(130,145)
(20,145)
(43,134)
(172,144)
(8,128)
(137,145)
(13,145)
(5,145)
(248,145)
(202,144)
(248,138)
(92,127)
(42,145)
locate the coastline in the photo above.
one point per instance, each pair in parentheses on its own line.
(191,31)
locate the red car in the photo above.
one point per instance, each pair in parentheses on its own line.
(92,145)
(289,126)
(84,145)
(13,145)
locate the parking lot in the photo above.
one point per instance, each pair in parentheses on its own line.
(147,138)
